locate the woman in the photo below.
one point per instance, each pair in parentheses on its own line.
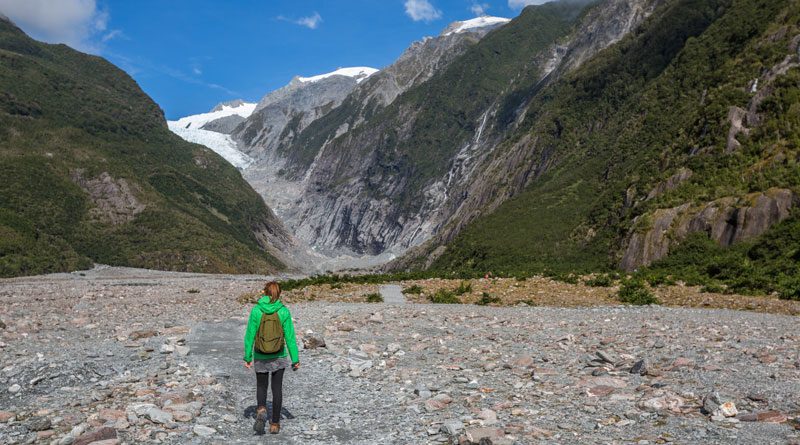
(271,364)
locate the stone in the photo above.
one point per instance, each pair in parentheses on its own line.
(452,427)
(167,349)
(606,357)
(138,335)
(640,367)
(728,409)
(438,402)
(392,348)
(376,318)
(484,435)
(600,391)
(182,351)
(15,388)
(182,416)
(711,402)
(39,423)
(204,431)
(313,341)
(104,433)
(524,361)
(771,416)
(156,415)
(106,442)
(5,416)
(488,417)
(666,402)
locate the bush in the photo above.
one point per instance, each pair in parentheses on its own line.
(601,280)
(374,298)
(463,288)
(335,286)
(634,291)
(444,296)
(712,288)
(193,291)
(487,299)
(789,288)
(415,289)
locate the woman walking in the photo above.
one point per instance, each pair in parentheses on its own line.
(270,333)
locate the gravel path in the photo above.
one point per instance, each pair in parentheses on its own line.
(143,357)
(392,294)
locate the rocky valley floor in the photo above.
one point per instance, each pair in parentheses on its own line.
(130,356)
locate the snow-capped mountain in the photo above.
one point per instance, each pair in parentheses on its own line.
(195,129)
(359,73)
(473,24)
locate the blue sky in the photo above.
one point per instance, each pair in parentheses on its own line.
(191,54)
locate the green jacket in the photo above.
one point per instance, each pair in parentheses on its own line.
(265,307)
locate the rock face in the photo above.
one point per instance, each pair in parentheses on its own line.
(291,127)
(114,199)
(726,221)
(358,194)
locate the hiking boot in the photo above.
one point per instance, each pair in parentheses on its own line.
(261,420)
(274,428)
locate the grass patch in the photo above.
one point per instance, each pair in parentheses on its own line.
(487,299)
(464,287)
(600,280)
(634,291)
(414,289)
(444,296)
(374,297)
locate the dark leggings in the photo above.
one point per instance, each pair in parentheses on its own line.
(262,380)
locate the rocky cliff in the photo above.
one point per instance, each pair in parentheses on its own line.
(393,180)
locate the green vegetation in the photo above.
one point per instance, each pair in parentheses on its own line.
(487,299)
(640,110)
(463,288)
(444,296)
(634,291)
(70,122)
(768,264)
(600,280)
(414,289)
(374,298)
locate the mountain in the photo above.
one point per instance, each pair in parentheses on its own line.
(291,125)
(676,147)
(212,129)
(91,173)
(385,176)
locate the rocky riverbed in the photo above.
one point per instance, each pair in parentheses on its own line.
(130,356)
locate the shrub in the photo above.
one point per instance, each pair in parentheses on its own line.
(712,288)
(487,299)
(415,289)
(193,291)
(634,291)
(601,280)
(374,298)
(463,288)
(789,288)
(335,286)
(444,296)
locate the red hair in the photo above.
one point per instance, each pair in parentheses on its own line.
(273,289)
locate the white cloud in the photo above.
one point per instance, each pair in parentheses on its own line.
(113,34)
(479,9)
(310,22)
(422,10)
(519,4)
(78,23)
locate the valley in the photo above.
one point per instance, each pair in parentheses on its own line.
(140,359)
